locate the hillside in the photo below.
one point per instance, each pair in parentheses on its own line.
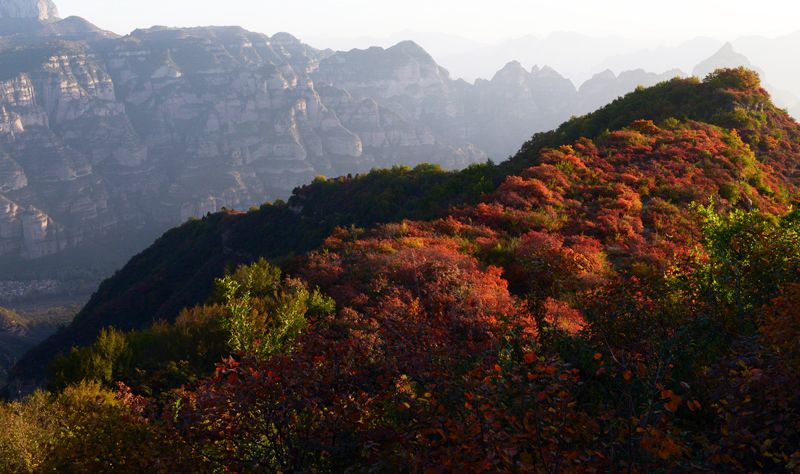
(179,269)
(28,325)
(621,295)
(12,330)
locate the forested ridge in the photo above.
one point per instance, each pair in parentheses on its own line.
(620,295)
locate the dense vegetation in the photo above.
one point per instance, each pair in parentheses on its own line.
(620,296)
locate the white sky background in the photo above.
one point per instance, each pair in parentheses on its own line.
(486,21)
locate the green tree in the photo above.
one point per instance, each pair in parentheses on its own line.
(752,255)
(100,362)
(264,313)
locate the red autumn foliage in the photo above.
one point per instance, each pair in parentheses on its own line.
(575,320)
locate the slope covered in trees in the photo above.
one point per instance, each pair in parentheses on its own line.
(620,295)
(178,270)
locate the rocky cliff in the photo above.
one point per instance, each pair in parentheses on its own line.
(41,10)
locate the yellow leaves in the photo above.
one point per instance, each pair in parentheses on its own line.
(412,242)
(405,386)
(385,248)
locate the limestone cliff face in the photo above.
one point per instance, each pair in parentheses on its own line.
(28,232)
(106,137)
(42,10)
(166,124)
(404,76)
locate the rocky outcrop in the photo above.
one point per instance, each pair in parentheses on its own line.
(41,10)
(28,232)
(505,111)
(404,76)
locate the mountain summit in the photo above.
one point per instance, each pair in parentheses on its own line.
(42,10)
(726,57)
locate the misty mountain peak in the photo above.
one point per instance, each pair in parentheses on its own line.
(42,10)
(727,48)
(726,57)
(284,39)
(606,75)
(411,49)
(513,66)
(546,71)
(513,70)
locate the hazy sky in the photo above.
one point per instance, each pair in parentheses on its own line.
(487,20)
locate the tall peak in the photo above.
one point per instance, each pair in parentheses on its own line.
(726,57)
(513,66)
(512,71)
(546,71)
(410,48)
(284,39)
(42,10)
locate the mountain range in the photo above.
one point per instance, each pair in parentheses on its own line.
(580,56)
